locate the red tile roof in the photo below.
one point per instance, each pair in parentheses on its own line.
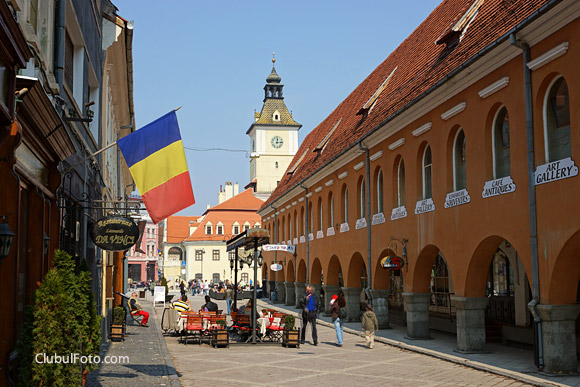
(178,227)
(246,201)
(420,64)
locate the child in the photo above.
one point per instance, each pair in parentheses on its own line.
(369,325)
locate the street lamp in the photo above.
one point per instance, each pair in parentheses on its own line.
(6,238)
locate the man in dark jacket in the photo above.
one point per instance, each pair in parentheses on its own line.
(310,311)
(209,306)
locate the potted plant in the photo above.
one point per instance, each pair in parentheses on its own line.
(118,324)
(290,336)
(220,336)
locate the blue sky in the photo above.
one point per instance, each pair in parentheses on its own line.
(213,57)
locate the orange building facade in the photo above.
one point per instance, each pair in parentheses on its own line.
(458,154)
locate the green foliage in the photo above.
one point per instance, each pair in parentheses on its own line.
(221,323)
(118,315)
(25,348)
(163,282)
(289,322)
(63,321)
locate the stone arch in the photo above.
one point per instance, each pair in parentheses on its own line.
(478,268)
(422,270)
(356,268)
(565,274)
(290,272)
(301,271)
(316,272)
(333,272)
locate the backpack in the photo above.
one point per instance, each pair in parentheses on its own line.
(342,313)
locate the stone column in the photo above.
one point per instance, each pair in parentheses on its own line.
(280,293)
(290,293)
(381,306)
(470,314)
(352,298)
(300,288)
(417,308)
(559,337)
(329,291)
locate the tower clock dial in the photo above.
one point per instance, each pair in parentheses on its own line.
(277,142)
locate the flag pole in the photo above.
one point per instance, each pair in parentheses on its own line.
(99,151)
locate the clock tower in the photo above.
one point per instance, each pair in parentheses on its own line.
(273,138)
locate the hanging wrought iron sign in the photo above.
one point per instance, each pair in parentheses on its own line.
(392,262)
(115,233)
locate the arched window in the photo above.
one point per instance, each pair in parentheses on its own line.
(380,191)
(459,169)
(362,198)
(501,144)
(331,210)
(311,219)
(289,226)
(427,181)
(344,204)
(296,224)
(320,221)
(557,122)
(401,184)
(303,221)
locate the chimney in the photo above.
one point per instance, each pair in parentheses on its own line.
(191,228)
(236,189)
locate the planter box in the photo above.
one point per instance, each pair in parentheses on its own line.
(220,338)
(117,332)
(291,338)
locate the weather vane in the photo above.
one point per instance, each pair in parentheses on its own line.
(273,57)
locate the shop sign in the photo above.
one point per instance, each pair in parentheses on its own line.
(457,198)
(392,262)
(115,233)
(496,187)
(556,170)
(361,223)
(276,267)
(319,234)
(288,248)
(398,213)
(378,218)
(330,231)
(424,206)
(311,237)
(302,239)
(295,241)
(344,227)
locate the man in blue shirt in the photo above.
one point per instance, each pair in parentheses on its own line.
(310,311)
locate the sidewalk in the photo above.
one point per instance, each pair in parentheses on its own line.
(501,360)
(149,362)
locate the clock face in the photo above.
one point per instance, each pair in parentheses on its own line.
(277,141)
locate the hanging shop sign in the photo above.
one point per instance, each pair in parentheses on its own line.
(288,248)
(392,262)
(556,170)
(115,233)
(496,187)
(276,267)
(457,198)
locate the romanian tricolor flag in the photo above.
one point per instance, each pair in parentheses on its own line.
(156,159)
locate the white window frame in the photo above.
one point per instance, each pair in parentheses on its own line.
(493,152)
(423,168)
(545,117)
(455,188)
(400,184)
(380,202)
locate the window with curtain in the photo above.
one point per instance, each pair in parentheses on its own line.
(557,116)
(501,144)
(459,164)
(331,211)
(380,192)
(427,182)
(401,184)
(362,201)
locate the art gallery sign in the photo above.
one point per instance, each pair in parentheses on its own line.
(556,170)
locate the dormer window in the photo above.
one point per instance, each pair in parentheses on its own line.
(276,116)
(322,145)
(293,168)
(456,33)
(367,107)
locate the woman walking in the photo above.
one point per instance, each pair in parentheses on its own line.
(338,311)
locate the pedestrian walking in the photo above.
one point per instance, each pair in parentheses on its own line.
(338,313)
(229,295)
(369,325)
(309,304)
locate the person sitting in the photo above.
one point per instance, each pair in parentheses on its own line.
(137,309)
(247,309)
(209,305)
(182,305)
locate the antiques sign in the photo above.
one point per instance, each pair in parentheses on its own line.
(115,233)
(496,187)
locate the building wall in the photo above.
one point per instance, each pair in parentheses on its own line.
(468,234)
